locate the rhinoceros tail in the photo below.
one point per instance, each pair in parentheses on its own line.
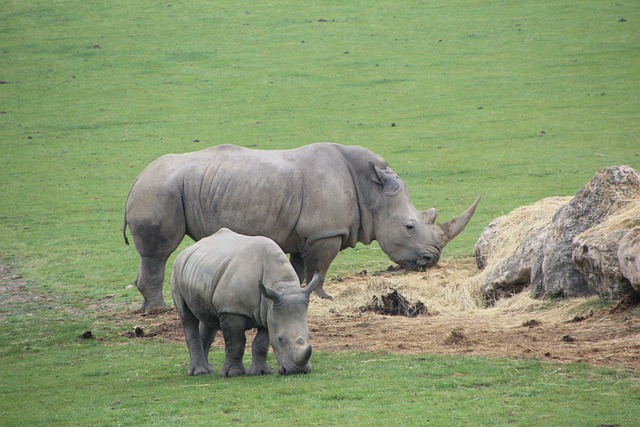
(124,225)
(124,229)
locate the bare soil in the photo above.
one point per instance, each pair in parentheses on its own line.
(561,331)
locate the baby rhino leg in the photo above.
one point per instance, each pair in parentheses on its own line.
(259,350)
(207,334)
(233,330)
(198,364)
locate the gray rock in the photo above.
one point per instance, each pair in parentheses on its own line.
(595,255)
(513,274)
(554,272)
(506,247)
(629,257)
(597,252)
(486,244)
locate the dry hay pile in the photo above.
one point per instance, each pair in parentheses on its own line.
(443,289)
(625,218)
(516,227)
(458,321)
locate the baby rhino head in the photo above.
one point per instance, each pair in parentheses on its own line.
(288,327)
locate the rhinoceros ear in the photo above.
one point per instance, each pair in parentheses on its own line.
(430,215)
(271,294)
(312,285)
(386,178)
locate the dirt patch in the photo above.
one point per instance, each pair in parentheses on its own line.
(16,295)
(576,330)
(12,287)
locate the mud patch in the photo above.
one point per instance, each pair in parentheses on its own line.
(394,304)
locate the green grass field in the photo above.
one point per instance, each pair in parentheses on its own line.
(512,100)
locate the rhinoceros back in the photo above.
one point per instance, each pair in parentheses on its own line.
(255,193)
(286,195)
(221,273)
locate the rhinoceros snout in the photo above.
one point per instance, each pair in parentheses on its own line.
(428,260)
(292,370)
(421,262)
(299,366)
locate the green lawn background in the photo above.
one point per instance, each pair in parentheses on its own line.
(512,100)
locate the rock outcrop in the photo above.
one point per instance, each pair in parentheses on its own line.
(597,253)
(629,257)
(568,247)
(507,246)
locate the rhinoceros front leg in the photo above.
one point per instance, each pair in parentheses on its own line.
(298,265)
(198,364)
(317,257)
(233,329)
(259,350)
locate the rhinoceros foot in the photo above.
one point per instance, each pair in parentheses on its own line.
(232,371)
(322,294)
(260,369)
(200,370)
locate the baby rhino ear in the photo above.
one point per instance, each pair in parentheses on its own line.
(269,293)
(430,215)
(313,284)
(386,178)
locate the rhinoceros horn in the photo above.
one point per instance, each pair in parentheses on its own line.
(454,227)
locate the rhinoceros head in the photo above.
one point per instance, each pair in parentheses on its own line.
(409,237)
(287,325)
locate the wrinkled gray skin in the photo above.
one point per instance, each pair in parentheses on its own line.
(233,282)
(313,201)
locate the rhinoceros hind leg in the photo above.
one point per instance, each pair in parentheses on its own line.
(259,350)
(207,334)
(233,331)
(149,282)
(157,229)
(198,364)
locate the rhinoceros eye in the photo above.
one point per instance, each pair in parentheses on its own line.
(410,227)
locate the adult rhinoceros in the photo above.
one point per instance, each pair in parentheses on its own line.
(313,201)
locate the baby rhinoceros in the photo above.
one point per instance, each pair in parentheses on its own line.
(234,282)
